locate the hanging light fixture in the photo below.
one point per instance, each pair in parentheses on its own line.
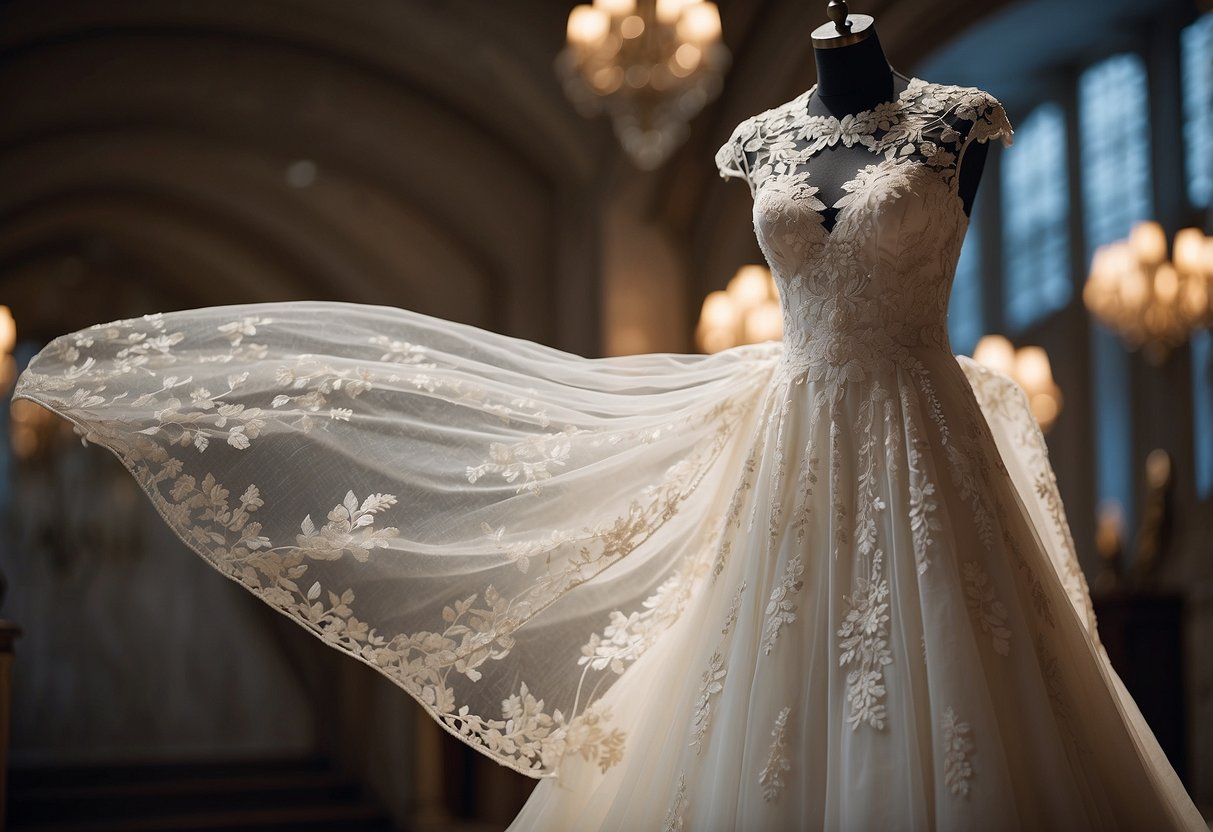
(651,65)
(8,341)
(1030,369)
(1153,303)
(746,312)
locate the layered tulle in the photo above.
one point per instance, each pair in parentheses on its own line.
(886,642)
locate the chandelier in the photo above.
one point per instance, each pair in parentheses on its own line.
(651,65)
(1153,303)
(746,312)
(1029,367)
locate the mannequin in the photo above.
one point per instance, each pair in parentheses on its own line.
(853,75)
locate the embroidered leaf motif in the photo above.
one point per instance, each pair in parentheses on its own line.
(864,643)
(674,818)
(781,609)
(530,460)
(711,684)
(958,771)
(734,607)
(771,776)
(627,637)
(986,609)
(348,530)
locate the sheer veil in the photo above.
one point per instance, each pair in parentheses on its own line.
(498,527)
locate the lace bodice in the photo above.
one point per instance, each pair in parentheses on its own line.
(877,282)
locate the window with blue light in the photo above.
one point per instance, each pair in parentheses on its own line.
(965,324)
(1036,205)
(1202,410)
(1113,111)
(1114,123)
(1196,51)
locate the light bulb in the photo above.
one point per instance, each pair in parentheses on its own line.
(1189,245)
(8,331)
(616,8)
(587,25)
(763,323)
(1149,242)
(719,311)
(632,26)
(750,287)
(1166,283)
(1032,370)
(699,23)
(668,11)
(686,58)
(1044,409)
(995,352)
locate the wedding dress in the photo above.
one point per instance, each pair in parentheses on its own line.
(819,584)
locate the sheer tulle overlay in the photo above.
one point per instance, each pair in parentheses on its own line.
(821,584)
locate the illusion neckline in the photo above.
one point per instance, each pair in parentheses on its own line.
(867,171)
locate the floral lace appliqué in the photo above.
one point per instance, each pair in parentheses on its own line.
(711,683)
(864,641)
(989,613)
(674,820)
(771,777)
(957,746)
(781,609)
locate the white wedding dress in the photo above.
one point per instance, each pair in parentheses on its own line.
(823,584)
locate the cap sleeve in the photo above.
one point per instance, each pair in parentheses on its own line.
(730,158)
(989,119)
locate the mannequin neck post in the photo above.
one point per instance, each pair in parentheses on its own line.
(853,78)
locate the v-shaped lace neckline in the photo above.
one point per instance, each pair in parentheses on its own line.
(850,129)
(848,201)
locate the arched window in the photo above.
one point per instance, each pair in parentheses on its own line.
(965,324)
(1196,47)
(1036,202)
(1113,111)
(1114,123)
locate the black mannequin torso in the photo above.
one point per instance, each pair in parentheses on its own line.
(850,80)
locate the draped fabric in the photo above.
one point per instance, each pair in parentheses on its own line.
(819,584)
(440,502)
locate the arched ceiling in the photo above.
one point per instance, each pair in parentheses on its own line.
(149,150)
(441,161)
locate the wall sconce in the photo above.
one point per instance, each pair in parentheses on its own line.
(745,312)
(1153,303)
(1030,368)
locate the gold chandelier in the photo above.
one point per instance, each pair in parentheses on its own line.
(1153,303)
(651,65)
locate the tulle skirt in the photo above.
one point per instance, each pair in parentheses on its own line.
(887,643)
(699,592)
